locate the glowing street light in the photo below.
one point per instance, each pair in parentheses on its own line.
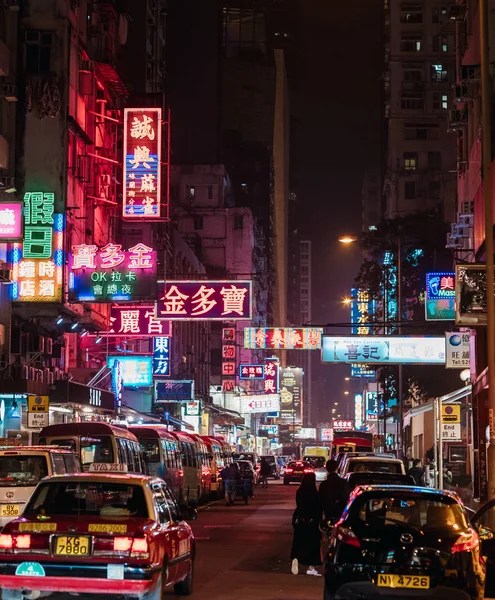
(348,239)
(347,378)
(346,393)
(346,301)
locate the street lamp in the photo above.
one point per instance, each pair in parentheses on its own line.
(346,393)
(348,239)
(347,378)
(346,301)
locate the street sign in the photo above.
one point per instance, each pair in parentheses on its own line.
(38,404)
(265,403)
(457,350)
(451,432)
(451,413)
(38,420)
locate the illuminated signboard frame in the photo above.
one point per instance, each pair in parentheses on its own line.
(174,390)
(440,297)
(282,338)
(161,356)
(136,321)
(361,311)
(250,371)
(470,295)
(291,394)
(11,221)
(362,371)
(142,163)
(128,363)
(272,374)
(342,424)
(383,350)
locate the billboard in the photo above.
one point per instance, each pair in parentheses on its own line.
(291,394)
(383,350)
(256,372)
(440,297)
(282,338)
(361,310)
(136,321)
(457,349)
(174,390)
(204,300)
(142,171)
(260,404)
(11,222)
(326,434)
(470,295)
(136,371)
(362,371)
(38,262)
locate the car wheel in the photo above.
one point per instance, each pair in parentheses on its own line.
(185,587)
(286,481)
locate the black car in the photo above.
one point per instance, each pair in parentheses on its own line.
(408,542)
(373,478)
(296,470)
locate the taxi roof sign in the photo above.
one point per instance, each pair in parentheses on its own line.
(451,413)
(108,468)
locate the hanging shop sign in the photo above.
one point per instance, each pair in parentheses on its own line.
(137,321)
(266,403)
(37,263)
(193,408)
(457,350)
(174,390)
(470,295)
(204,300)
(110,274)
(326,434)
(358,410)
(11,222)
(440,297)
(64,392)
(137,371)
(228,334)
(272,372)
(342,424)
(291,379)
(251,372)
(282,338)
(361,312)
(142,163)
(372,406)
(383,350)
(362,371)
(161,356)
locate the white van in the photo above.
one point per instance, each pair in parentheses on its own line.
(22,467)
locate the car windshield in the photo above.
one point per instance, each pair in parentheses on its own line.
(419,511)
(22,470)
(374,466)
(78,498)
(245,456)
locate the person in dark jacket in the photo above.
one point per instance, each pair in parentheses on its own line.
(417,473)
(334,493)
(306,544)
(230,477)
(265,472)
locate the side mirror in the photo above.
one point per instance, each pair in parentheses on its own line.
(189,514)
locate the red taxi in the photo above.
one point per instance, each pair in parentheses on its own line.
(98,534)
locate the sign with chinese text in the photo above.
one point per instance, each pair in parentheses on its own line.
(142,163)
(343,425)
(282,338)
(110,274)
(64,391)
(265,403)
(228,334)
(451,432)
(470,295)
(457,349)
(251,371)
(326,434)
(174,390)
(38,411)
(361,310)
(383,350)
(161,356)
(10,221)
(440,297)
(358,410)
(291,394)
(37,263)
(228,352)
(136,370)
(204,300)
(136,321)
(228,385)
(272,368)
(372,409)
(451,413)
(193,408)
(228,369)
(362,371)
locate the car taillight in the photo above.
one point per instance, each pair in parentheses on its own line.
(308,471)
(466,542)
(6,542)
(139,547)
(289,470)
(122,544)
(22,542)
(347,536)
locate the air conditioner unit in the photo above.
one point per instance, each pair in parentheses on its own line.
(8,90)
(467,207)
(453,242)
(457,12)
(5,276)
(460,92)
(459,231)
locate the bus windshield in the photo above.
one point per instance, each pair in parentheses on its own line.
(96,449)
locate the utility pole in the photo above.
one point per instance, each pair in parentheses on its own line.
(486,174)
(400,429)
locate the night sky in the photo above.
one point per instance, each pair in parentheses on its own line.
(340,112)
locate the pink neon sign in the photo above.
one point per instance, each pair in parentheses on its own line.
(10,221)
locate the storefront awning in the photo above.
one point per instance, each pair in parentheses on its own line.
(451,398)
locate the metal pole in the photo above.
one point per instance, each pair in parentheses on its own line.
(486,173)
(435,441)
(400,431)
(440,445)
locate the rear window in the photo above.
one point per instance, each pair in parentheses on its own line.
(361,466)
(22,470)
(299,465)
(103,499)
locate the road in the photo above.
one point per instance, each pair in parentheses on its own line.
(243,551)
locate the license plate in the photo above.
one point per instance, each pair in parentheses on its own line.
(10,510)
(298,472)
(72,545)
(421,582)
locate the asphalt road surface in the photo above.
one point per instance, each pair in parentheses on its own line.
(243,552)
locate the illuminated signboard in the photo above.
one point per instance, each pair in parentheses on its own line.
(372,406)
(326,434)
(272,368)
(266,403)
(361,310)
(383,350)
(440,297)
(358,410)
(10,221)
(110,274)
(291,394)
(37,263)
(251,371)
(142,163)
(136,321)
(342,425)
(136,371)
(161,356)
(362,371)
(204,300)
(174,390)
(286,338)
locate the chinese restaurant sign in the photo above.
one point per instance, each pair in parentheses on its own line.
(470,295)
(204,300)
(383,350)
(136,321)
(251,371)
(10,221)
(174,390)
(291,394)
(110,274)
(342,425)
(361,309)
(142,163)
(440,297)
(362,371)
(272,369)
(286,338)
(37,263)
(161,356)
(136,370)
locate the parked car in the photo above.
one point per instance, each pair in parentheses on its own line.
(296,470)
(373,478)
(373,463)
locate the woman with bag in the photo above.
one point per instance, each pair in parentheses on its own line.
(306,545)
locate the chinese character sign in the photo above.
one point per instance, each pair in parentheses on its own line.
(342,425)
(137,321)
(272,368)
(458,348)
(251,371)
(440,297)
(372,406)
(362,371)
(10,221)
(383,350)
(110,274)
(161,356)
(291,394)
(142,163)
(358,410)
(37,263)
(136,370)
(361,311)
(282,338)
(204,300)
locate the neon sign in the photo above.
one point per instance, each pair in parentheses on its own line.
(161,356)
(272,369)
(136,371)
(251,371)
(110,274)
(10,221)
(136,321)
(440,297)
(142,163)
(286,338)
(361,311)
(37,263)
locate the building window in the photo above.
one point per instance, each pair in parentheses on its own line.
(410,161)
(238,221)
(190,192)
(412,101)
(440,43)
(410,190)
(38,50)
(210,192)
(439,73)
(434,160)
(439,14)
(412,74)
(411,42)
(411,13)
(434,190)
(440,102)
(244,32)
(198,222)
(244,188)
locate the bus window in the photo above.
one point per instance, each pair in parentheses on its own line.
(96,450)
(70,444)
(131,465)
(151,449)
(122,451)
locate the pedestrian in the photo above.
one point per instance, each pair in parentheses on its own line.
(334,493)
(447,477)
(230,477)
(306,544)
(265,472)
(417,472)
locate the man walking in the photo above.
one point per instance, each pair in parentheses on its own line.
(230,477)
(334,493)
